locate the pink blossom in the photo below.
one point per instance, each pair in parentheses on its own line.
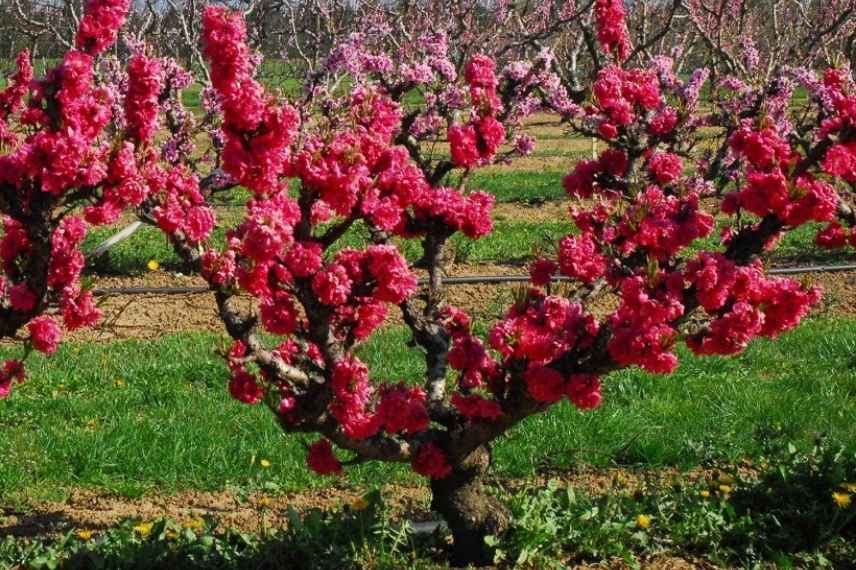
(12,371)
(583,390)
(322,460)
(430,461)
(579,258)
(100,24)
(665,167)
(475,407)
(44,334)
(611,29)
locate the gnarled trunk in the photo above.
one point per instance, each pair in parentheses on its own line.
(469,511)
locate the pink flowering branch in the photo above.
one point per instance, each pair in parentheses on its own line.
(59,164)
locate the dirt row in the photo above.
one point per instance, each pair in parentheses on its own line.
(251,512)
(152,316)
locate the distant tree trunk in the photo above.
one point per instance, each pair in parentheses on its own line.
(469,511)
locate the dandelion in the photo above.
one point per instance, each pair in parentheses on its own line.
(84,535)
(643,521)
(264,501)
(705,494)
(119,382)
(725,489)
(193,524)
(153,265)
(144,528)
(264,464)
(359,504)
(842,500)
(92,424)
(171,535)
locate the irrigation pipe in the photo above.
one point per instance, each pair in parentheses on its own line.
(462,280)
(105,245)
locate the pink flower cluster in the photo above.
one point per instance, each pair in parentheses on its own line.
(611,28)
(622,96)
(665,167)
(477,367)
(470,214)
(430,461)
(322,460)
(12,97)
(180,205)
(793,202)
(538,331)
(549,386)
(834,236)
(478,141)
(123,187)
(11,371)
(141,102)
(642,332)
(660,224)
(77,305)
(64,163)
(744,303)
(258,132)
(100,24)
(595,176)
(840,161)
(358,284)
(399,409)
(579,258)
(44,334)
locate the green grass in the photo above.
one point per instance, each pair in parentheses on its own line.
(528,186)
(510,242)
(172,426)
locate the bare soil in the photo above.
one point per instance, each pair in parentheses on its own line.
(153,315)
(96,510)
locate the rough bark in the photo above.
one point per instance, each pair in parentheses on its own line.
(469,511)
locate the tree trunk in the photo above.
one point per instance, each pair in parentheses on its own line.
(470,513)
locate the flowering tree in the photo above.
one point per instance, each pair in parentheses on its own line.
(64,155)
(358,157)
(638,207)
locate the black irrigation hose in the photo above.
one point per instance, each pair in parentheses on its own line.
(464,280)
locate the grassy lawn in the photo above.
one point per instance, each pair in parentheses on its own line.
(144,416)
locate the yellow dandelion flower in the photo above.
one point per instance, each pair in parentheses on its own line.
(171,535)
(92,424)
(119,382)
(359,504)
(705,494)
(643,521)
(153,265)
(84,535)
(842,500)
(193,524)
(264,501)
(725,489)
(265,464)
(144,529)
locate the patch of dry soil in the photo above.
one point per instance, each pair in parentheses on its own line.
(94,510)
(154,315)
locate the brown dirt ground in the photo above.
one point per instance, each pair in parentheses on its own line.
(96,510)
(151,316)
